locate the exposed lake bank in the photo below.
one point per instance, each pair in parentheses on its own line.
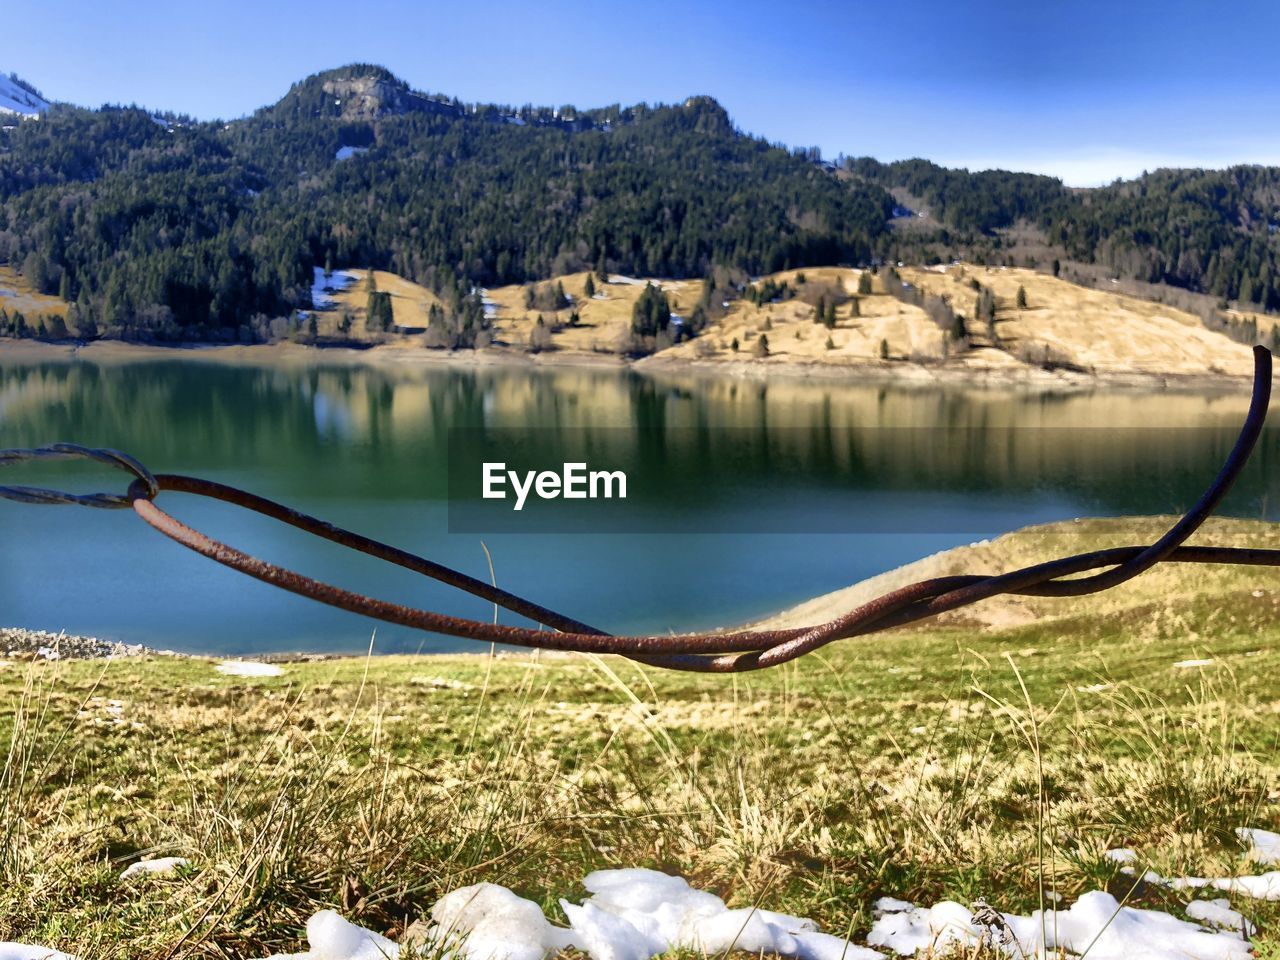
(905,373)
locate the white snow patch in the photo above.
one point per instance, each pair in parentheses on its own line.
(1096,922)
(14,99)
(48,653)
(25,951)
(490,922)
(1189,664)
(632,281)
(631,915)
(1265,886)
(1218,913)
(1094,688)
(249,668)
(635,914)
(346,153)
(323,287)
(160,866)
(1265,844)
(332,938)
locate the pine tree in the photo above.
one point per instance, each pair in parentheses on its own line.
(761,349)
(884,349)
(855,308)
(602,269)
(734,345)
(1246,290)
(589,288)
(1022,298)
(831,344)
(864,283)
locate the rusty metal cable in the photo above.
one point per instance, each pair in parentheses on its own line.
(721,651)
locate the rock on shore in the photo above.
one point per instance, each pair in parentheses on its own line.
(19,644)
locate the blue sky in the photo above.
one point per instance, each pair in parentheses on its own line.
(1087,92)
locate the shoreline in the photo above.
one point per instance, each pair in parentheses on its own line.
(906,374)
(1025,545)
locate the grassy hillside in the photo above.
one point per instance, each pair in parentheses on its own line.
(17,294)
(906,765)
(1061,326)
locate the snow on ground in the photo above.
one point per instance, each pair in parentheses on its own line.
(1264,886)
(160,867)
(248,668)
(1218,913)
(346,153)
(635,914)
(632,281)
(1265,844)
(333,938)
(1096,923)
(23,951)
(322,287)
(14,99)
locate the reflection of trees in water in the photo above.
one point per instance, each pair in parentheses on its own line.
(385,431)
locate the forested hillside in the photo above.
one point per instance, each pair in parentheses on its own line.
(1208,231)
(160,227)
(186,230)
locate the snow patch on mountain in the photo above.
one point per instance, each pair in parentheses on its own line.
(324,287)
(17,99)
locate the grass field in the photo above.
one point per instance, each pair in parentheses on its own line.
(1091,330)
(604,321)
(410,303)
(995,757)
(17,294)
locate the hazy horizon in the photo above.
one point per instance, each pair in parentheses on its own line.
(1087,94)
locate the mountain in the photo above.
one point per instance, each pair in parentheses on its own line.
(189,230)
(172,228)
(18,96)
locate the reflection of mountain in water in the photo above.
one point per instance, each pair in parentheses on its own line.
(385,433)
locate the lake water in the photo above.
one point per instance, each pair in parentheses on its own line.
(743,497)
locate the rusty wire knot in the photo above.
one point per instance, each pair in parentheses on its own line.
(149,489)
(714,652)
